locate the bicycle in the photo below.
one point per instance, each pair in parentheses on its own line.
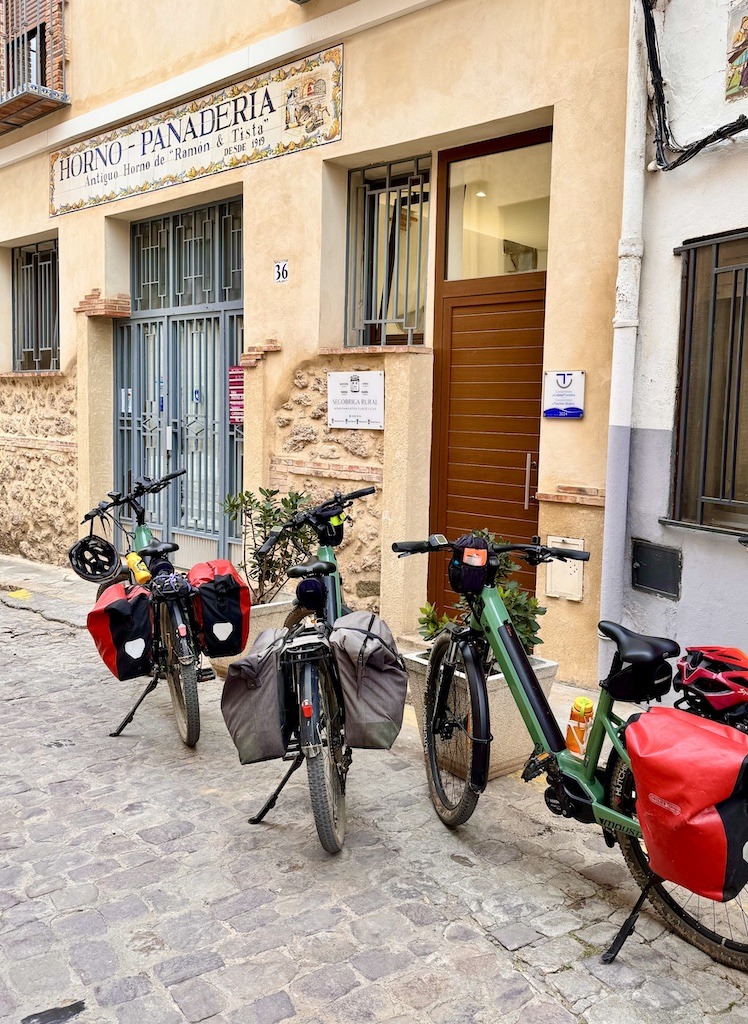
(176,654)
(310,676)
(457,741)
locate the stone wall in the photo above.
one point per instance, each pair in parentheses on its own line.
(38,465)
(318,461)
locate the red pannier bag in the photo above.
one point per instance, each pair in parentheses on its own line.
(121,623)
(691,778)
(221,605)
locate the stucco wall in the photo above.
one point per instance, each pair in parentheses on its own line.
(453,72)
(705,196)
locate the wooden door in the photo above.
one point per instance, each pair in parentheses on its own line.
(487,402)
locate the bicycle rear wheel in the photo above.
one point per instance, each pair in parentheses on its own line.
(326,768)
(718,929)
(182,680)
(448,739)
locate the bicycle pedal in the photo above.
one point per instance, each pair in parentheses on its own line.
(203,674)
(536,765)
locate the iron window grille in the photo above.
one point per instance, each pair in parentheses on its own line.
(36,307)
(387,243)
(711,465)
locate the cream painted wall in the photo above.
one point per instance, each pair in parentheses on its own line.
(451,73)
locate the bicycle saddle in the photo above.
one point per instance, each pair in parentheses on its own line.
(314,567)
(636,648)
(157,547)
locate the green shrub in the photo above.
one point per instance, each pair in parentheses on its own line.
(257,514)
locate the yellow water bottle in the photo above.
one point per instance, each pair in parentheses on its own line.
(580,720)
(137,567)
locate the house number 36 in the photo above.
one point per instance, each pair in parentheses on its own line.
(280,273)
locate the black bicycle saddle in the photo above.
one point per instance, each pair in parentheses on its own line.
(636,648)
(314,567)
(157,547)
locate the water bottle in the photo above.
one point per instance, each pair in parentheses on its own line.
(137,567)
(580,720)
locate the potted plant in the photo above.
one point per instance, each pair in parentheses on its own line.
(257,514)
(511,745)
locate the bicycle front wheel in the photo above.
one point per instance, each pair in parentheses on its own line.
(448,740)
(326,768)
(182,680)
(718,929)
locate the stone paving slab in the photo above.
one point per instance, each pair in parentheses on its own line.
(131,881)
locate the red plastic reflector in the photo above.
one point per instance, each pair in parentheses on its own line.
(182,630)
(306,708)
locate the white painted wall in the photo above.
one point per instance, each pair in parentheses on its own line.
(705,196)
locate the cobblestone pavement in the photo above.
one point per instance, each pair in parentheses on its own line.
(131,882)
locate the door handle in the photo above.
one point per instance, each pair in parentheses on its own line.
(528,466)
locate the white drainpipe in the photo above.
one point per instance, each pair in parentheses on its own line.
(625,328)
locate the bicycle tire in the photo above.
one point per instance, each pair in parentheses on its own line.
(182,681)
(670,900)
(121,577)
(448,746)
(325,786)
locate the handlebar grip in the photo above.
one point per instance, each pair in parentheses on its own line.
(575,556)
(174,475)
(268,544)
(411,547)
(359,494)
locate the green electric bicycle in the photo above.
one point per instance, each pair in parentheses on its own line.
(309,672)
(457,741)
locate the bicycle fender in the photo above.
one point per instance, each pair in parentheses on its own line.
(183,652)
(309,727)
(481,725)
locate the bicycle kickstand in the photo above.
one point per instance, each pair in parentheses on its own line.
(297,762)
(628,925)
(152,684)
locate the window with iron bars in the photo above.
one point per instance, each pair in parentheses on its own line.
(388,208)
(36,307)
(711,466)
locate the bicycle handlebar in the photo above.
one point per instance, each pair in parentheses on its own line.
(534,553)
(327,507)
(143,485)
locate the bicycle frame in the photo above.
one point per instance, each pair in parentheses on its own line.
(491,619)
(334,603)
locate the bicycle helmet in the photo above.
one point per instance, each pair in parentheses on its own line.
(94,559)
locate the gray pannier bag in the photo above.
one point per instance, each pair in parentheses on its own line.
(373,678)
(253,702)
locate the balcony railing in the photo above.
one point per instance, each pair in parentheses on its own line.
(32,60)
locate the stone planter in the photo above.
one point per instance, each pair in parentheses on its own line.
(263,616)
(511,744)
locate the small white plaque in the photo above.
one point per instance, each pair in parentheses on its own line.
(280,271)
(563,394)
(356,400)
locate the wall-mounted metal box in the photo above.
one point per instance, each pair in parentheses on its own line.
(656,569)
(565,579)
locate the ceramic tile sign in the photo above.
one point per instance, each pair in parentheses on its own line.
(236,395)
(736,84)
(282,111)
(563,394)
(356,400)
